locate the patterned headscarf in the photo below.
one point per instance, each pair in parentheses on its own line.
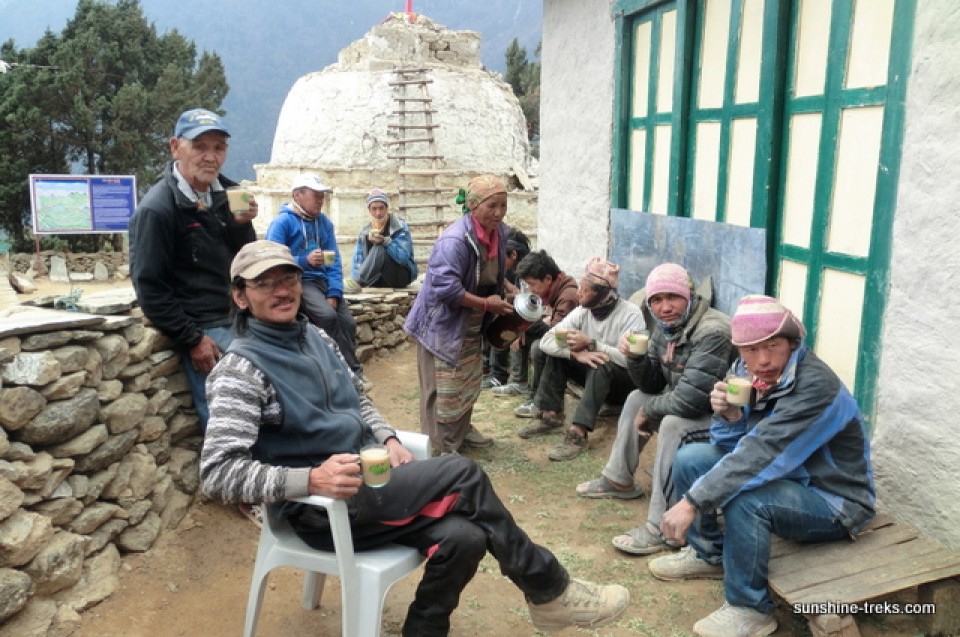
(603,272)
(479,190)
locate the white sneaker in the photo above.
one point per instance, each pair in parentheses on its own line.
(684,564)
(736,621)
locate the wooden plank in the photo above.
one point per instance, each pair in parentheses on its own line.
(429,171)
(427,111)
(426,190)
(412,70)
(412,140)
(413,125)
(409,82)
(883,559)
(780,546)
(879,586)
(424,224)
(413,99)
(414,156)
(409,206)
(829,553)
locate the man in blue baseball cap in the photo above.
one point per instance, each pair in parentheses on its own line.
(182,240)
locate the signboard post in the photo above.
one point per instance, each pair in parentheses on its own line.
(82,204)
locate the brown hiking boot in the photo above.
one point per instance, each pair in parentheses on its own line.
(476,440)
(569,448)
(544,425)
(582,604)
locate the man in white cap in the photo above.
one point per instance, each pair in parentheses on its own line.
(301,226)
(182,240)
(794,462)
(273,437)
(383,257)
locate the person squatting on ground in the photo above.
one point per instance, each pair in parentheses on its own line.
(459,297)
(688,352)
(543,277)
(288,418)
(501,369)
(383,257)
(301,226)
(182,240)
(795,463)
(588,356)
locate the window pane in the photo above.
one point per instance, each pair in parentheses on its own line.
(713,53)
(801,179)
(854,191)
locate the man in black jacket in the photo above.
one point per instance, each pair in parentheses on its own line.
(182,240)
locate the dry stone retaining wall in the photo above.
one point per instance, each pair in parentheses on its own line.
(99,451)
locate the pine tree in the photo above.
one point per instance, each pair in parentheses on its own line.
(108,105)
(524,77)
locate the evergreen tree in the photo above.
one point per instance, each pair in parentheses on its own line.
(524,77)
(108,105)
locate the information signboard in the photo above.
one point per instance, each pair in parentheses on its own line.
(82,204)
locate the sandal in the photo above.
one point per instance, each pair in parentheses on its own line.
(603,488)
(640,541)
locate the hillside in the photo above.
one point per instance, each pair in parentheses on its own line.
(266,46)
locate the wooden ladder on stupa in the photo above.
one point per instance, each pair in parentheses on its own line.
(423,203)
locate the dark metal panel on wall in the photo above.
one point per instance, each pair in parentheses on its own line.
(735,256)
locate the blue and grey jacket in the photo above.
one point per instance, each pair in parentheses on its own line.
(397,241)
(807,429)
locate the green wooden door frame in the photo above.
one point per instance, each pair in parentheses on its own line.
(624,123)
(774,111)
(875,266)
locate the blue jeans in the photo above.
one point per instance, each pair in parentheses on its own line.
(784,507)
(222,336)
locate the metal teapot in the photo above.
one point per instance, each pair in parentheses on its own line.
(504,330)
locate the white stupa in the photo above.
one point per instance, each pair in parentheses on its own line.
(344,123)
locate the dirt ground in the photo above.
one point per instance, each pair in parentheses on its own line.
(196,578)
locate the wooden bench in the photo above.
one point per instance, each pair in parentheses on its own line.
(887,557)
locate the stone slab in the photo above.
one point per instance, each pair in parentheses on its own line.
(28,320)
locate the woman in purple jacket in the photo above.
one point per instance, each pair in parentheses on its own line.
(461,294)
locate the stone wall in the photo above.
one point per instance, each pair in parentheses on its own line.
(113,264)
(99,451)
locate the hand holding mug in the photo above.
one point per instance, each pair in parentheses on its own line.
(720,405)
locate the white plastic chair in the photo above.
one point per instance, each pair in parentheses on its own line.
(365,576)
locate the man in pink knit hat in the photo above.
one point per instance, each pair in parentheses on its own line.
(795,462)
(689,351)
(587,354)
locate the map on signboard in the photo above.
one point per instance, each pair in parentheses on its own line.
(64,206)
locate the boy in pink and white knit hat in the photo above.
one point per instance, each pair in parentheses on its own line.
(794,462)
(760,317)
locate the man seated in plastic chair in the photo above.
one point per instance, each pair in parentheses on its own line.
(288,418)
